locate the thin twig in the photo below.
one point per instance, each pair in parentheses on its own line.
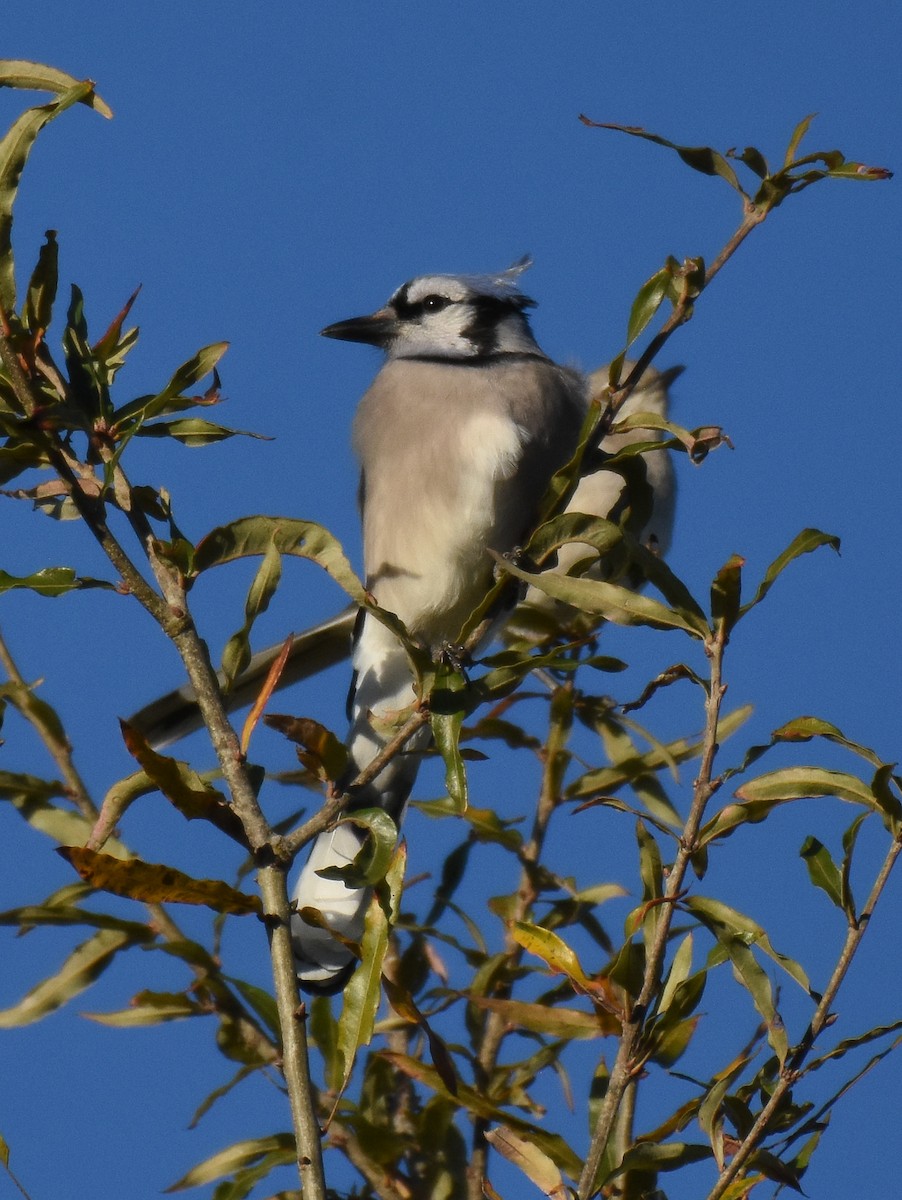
(626,1061)
(496,1027)
(293,1023)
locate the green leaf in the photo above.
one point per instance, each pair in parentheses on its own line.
(794,782)
(324,1031)
(475,1102)
(447,709)
(754,160)
(737,925)
(237,653)
(15,148)
(606,779)
(19,73)
(364,989)
(38,309)
(33,799)
(803,543)
(678,973)
(647,302)
(373,861)
(51,581)
(187,375)
(725,592)
(649,1156)
(822,870)
(151,1008)
(155,883)
(251,536)
(195,431)
(795,141)
(234,1157)
(609,600)
(553,1021)
(700,158)
(82,967)
(849,839)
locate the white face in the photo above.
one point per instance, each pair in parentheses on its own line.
(445,316)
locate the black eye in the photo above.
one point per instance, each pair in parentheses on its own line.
(435,303)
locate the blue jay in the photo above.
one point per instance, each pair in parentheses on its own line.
(458,437)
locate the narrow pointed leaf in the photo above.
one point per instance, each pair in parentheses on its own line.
(533,1162)
(822,870)
(155,883)
(15,148)
(51,581)
(447,711)
(610,600)
(19,73)
(78,972)
(364,989)
(803,543)
(251,536)
(795,141)
(194,798)
(700,158)
(794,782)
(234,1157)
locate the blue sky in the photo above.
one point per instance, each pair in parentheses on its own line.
(272,168)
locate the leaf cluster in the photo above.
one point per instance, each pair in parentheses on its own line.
(454,1027)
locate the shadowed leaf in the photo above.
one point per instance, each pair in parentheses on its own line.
(155,883)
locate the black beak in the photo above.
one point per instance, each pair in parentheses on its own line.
(378,329)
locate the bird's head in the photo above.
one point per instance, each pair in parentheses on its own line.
(456,317)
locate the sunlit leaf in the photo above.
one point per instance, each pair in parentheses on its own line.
(533,1162)
(553,950)
(647,302)
(794,782)
(151,1008)
(78,972)
(19,73)
(227,1161)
